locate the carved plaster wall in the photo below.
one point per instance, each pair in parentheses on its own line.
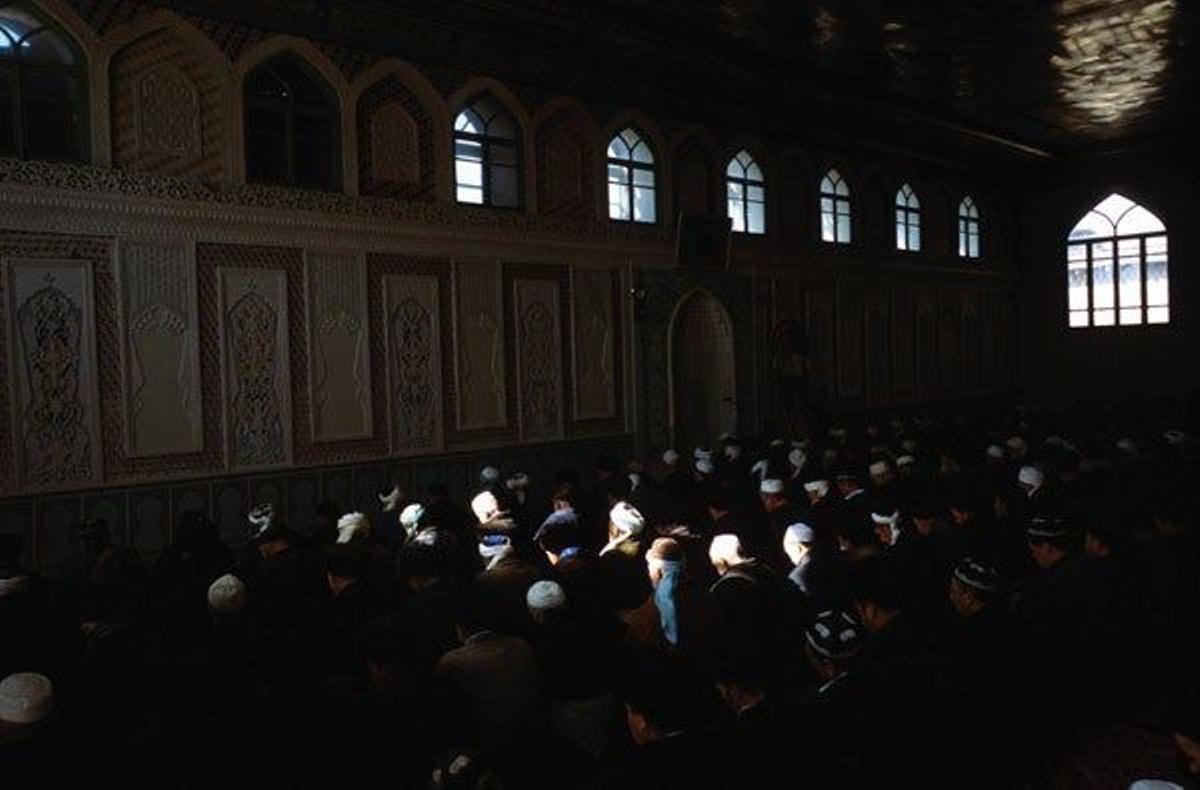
(338,350)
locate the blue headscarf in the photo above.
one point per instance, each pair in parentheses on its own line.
(664,599)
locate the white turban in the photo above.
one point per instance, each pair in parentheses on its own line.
(391,499)
(890,519)
(261,517)
(1174,436)
(819,487)
(489,475)
(726,548)
(760,468)
(26,698)
(776,443)
(1031,476)
(627,518)
(412,515)
(878,468)
(799,533)
(995,451)
(705,466)
(905,460)
(670,457)
(732,452)
(1127,445)
(227,594)
(770,486)
(485,506)
(351,526)
(544,596)
(702,454)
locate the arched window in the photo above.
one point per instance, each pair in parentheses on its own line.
(1117,266)
(291,126)
(968,229)
(835,208)
(908,220)
(486,155)
(43,93)
(745,194)
(631,195)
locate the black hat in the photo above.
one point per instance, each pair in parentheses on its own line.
(835,635)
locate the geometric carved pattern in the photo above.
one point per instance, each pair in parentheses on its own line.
(159,347)
(479,346)
(414,363)
(339,364)
(592,343)
(395,154)
(539,359)
(52,368)
(168,113)
(255,362)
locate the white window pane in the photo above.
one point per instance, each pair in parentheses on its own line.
(1158,315)
(1130,316)
(643,205)
(1130,272)
(1102,282)
(826,186)
(973,251)
(914,238)
(736,216)
(843,189)
(1078,318)
(641,153)
(468,173)
(1103,318)
(1139,220)
(470,195)
(643,177)
(1156,245)
(1077,285)
(827,226)
(618,174)
(1092,226)
(962,245)
(618,201)
(468,150)
(617,148)
(753,173)
(734,190)
(1077,252)
(758,218)
(1157,285)
(755,193)
(826,205)
(734,170)
(843,229)
(901,236)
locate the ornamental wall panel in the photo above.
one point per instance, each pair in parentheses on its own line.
(479,347)
(412,333)
(539,361)
(53,382)
(592,343)
(160,358)
(338,346)
(255,374)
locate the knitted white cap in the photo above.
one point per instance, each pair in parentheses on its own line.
(770,486)
(485,506)
(1031,476)
(799,532)
(26,698)
(702,454)
(705,467)
(627,518)
(489,475)
(725,548)
(545,595)
(227,594)
(412,515)
(670,457)
(351,526)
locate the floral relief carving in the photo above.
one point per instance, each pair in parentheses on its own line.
(395,154)
(539,359)
(414,362)
(593,340)
(168,113)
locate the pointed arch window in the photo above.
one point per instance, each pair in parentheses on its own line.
(487,157)
(1117,267)
(43,88)
(746,195)
(292,126)
(631,176)
(908,219)
(968,229)
(835,208)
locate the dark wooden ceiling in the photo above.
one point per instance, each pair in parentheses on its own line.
(1030,78)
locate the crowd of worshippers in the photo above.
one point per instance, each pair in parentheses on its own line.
(917,602)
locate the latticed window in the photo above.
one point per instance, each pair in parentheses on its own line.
(631,189)
(835,208)
(968,229)
(908,219)
(746,195)
(486,155)
(43,89)
(291,126)
(1117,267)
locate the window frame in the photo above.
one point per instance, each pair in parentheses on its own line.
(969,226)
(291,111)
(841,205)
(487,142)
(908,216)
(745,182)
(629,185)
(16,73)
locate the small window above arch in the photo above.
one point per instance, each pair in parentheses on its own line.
(632,195)
(487,156)
(968,229)
(292,126)
(835,208)
(745,195)
(908,219)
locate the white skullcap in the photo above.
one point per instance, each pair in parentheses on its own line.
(227,594)
(391,498)
(1127,445)
(412,515)
(635,480)
(995,451)
(890,519)
(725,548)
(544,596)
(26,698)
(771,486)
(800,533)
(1175,436)
(733,452)
(817,487)
(518,482)
(627,518)
(905,460)
(702,454)
(878,468)
(705,466)
(797,458)
(485,505)
(489,475)
(670,457)
(351,526)
(776,443)
(1031,476)
(1155,784)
